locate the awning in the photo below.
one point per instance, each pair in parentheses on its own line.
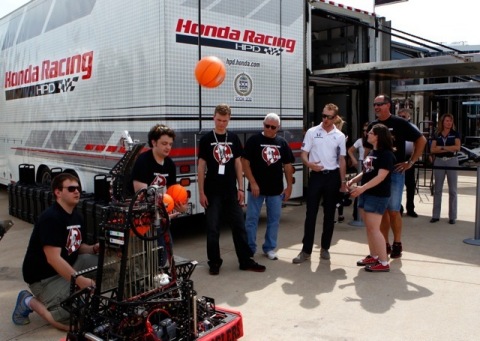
(430,67)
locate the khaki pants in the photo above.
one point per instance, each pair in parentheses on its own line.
(54,290)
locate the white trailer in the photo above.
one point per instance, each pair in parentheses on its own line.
(77,74)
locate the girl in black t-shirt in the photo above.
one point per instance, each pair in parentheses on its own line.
(374,193)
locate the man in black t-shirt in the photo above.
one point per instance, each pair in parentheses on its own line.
(55,252)
(265,157)
(155,167)
(219,172)
(401,131)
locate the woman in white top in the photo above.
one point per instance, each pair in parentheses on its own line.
(358,163)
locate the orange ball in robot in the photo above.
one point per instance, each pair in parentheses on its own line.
(168,202)
(178,193)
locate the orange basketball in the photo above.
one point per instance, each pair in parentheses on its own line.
(178,193)
(210,72)
(168,202)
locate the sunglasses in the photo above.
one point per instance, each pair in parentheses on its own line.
(379,104)
(72,189)
(268,126)
(330,117)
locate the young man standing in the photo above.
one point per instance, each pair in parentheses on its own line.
(323,152)
(55,252)
(266,157)
(219,172)
(155,167)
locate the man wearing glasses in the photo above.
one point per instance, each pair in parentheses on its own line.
(402,131)
(55,252)
(323,153)
(266,156)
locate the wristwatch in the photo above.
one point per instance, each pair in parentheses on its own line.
(411,162)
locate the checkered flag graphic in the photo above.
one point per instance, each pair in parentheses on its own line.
(274,51)
(67,84)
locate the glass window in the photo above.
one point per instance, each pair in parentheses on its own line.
(11,31)
(66,11)
(34,20)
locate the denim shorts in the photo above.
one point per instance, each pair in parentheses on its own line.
(373,204)
(396,191)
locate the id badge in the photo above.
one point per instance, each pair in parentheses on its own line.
(221,169)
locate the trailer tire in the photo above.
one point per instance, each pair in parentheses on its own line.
(44,176)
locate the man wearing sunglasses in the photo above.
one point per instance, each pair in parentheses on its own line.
(266,156)
(401,131)
(323,153)
(55,252)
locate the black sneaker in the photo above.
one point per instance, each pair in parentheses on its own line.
(214,270)
(214,267)
(396,250)
(252,266)
(412,214)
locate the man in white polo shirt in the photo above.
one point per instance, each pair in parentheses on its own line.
(323,153)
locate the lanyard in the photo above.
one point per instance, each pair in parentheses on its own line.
(221,151)
(444,139)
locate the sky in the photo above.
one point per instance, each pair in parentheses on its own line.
(441,21)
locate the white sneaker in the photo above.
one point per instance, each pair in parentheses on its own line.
(271,255)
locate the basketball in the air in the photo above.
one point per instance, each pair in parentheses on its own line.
(210,72)
(168,202)
(178,193)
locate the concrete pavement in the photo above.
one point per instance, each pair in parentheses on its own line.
(431,293)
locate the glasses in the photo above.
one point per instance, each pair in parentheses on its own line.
(72,189)
(379,104)
(330,117)
(268,126)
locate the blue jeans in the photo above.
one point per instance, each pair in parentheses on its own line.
(396,191)
(274,211)
(373,203)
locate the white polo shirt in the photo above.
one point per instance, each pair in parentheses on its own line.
(324,147)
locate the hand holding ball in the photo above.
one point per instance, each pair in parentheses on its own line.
(210,72)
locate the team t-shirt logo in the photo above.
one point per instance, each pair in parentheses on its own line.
(160,180)
(368,164)
(222,153)
(74,239)
(270,154)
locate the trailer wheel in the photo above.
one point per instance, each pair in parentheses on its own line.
(44,175)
